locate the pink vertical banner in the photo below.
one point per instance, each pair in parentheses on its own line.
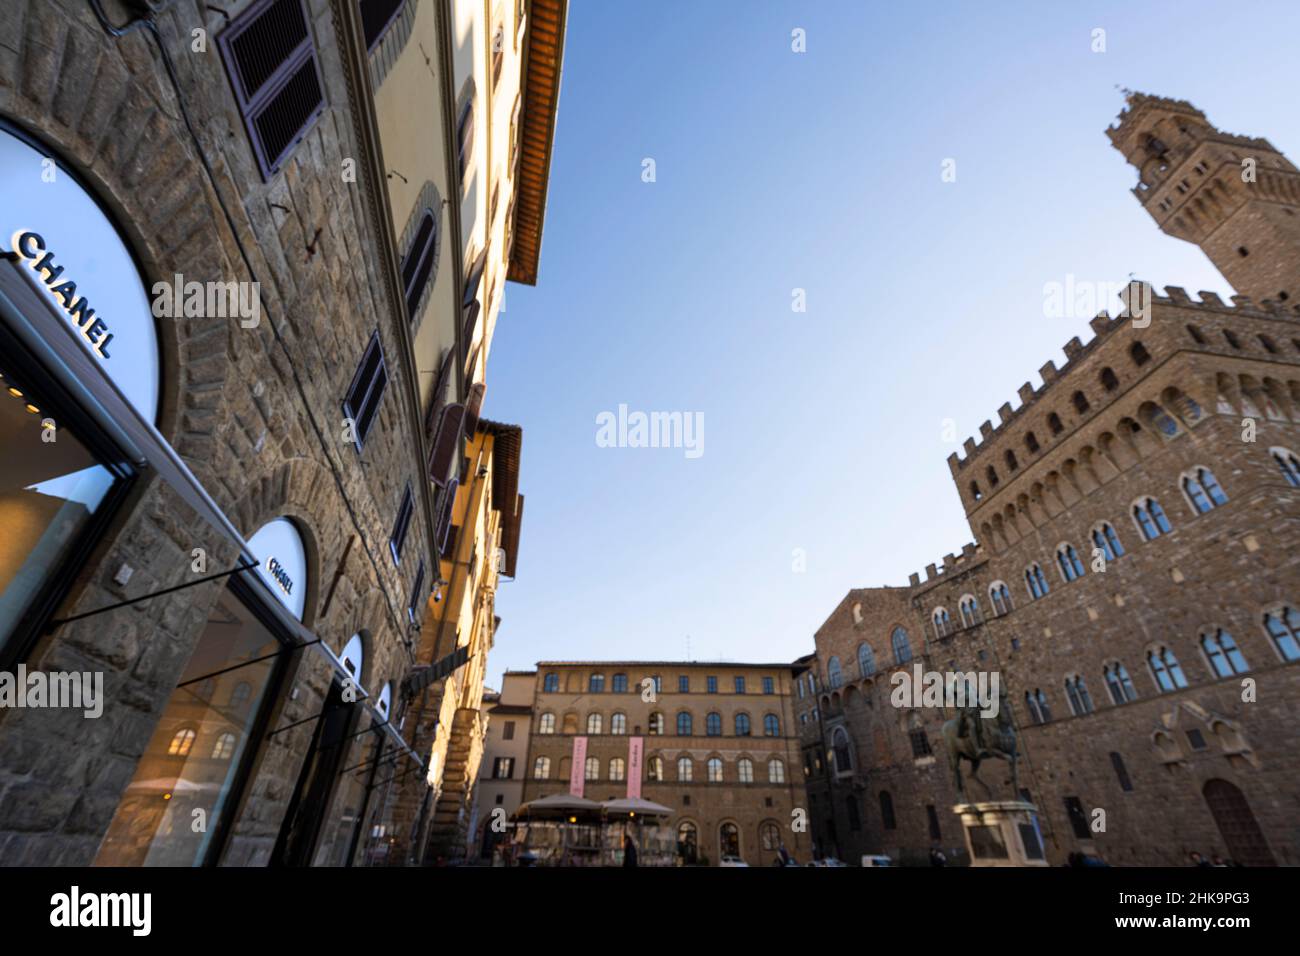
(578,769)
(634,747)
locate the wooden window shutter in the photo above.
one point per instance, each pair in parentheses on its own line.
(446,444)
(439,398)
(474,407)
(271,61)
(443,527)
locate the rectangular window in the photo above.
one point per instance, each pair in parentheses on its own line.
(769,687)
(376,15)
(361,406)
(271,61)
(465,136)
(683,684)
(713,685)
(508,731)
(740,685)
(1078,819)
(1121,772)
(52,504)
(200,745)
(414,609)
(503,768)
(401,526)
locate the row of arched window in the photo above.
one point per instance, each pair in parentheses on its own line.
(685,724)
(182,742)
(714,770)
(900,645)
(1204,493)
(1222,656)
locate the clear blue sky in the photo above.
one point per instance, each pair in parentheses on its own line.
(821,171)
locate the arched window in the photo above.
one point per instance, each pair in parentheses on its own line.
(546,724)
(656,724)
(617,769)
(619,685)
(1031,442)
(742,725)
(224,747)
(1106,540)
(1076,694)
(916,734)
(1036,582)
(1080,401)
(771,726)
(1000,597)
(715,769)
(887,810)
(1269,345)
(942,621)
(769,835)
(687,841)
(1012,464)
(594,723)
(418,263)
(866,660)
(1283,626)
(596,684)
(1165,670)
(975,491)
(1039,710)
(1139,354)
(1203,490)
(775,770)
(1108,380)
(1150,519)
(1222,653)
(991,474)
(551,684)
(240,694)
(685,769)
(851,809)
(181,743)
(542,768)
(1289,464)
(840,743)
(745,770)
(1067,559)
(654,768)
(683,724)
(728,840)
(901,645)
(591,769)
(713,725)
(1196,335)
(833,673)
(1054,423)
(618,724)
(970,610)
(1232,339)
(570,724)
(1118,683)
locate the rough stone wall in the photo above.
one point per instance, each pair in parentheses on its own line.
(256,417)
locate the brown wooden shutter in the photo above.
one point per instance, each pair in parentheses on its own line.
(439,395)
(447,444)
(443,527)
(474,407)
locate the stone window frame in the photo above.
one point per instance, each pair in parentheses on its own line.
(689,763)
(1005,598)
(542,763)
(1193,473)
(710,763)
(741,760)
(1073,682)
(542,724)
(1277,609)
(1158,650)
(429,200)
(1061,551)
(614,723)
(1143,503)
(599,719)
(1213,631)
(941,620)
(1100,527)
(1287,462)
(780,777)
(1106,666)
(975,609)
(385,54)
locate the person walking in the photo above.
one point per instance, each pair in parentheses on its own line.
(629,851)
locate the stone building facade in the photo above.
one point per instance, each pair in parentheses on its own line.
(501,774)
(718,748)
(1135,580)
(248,508)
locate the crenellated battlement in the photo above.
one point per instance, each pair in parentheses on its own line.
(970,554)
(1103,325)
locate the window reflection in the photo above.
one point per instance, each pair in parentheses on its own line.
(50,487)
(195,753)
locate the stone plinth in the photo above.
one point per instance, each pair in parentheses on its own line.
(1002,833)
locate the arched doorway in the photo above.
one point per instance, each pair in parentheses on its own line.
(1241,833)
(728,840)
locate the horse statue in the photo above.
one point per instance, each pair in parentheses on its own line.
(973,737)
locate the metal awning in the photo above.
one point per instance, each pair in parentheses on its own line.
(49,335)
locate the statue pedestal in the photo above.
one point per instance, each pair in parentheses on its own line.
(1002,833)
